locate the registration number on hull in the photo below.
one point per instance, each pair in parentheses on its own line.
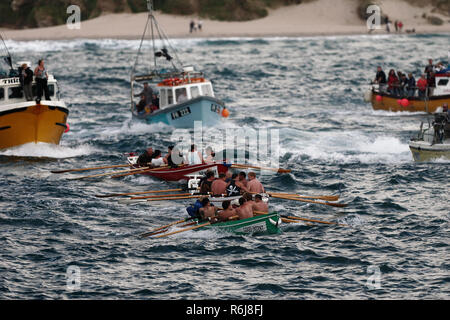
(181,113)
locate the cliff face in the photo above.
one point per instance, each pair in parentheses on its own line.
(43,13)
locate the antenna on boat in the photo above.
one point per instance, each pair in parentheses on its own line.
(7,58)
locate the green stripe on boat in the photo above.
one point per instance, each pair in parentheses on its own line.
(269,223)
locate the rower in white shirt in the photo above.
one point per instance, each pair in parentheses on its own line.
(194,156)
(157,160)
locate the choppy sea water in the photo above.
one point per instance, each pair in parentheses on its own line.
(311,91)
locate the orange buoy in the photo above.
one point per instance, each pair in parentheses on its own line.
(225,113)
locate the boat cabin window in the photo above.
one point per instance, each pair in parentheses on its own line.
(206,90)
(169,96)
(443,82)
(195,92)
(15,93)
(162,97)
(181,94)
(2,93)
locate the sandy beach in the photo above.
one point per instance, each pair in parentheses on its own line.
(321,17)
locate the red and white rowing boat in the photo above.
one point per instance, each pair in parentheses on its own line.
(183,172)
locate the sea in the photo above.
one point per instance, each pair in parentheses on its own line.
(59,241)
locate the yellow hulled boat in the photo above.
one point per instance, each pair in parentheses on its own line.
(383,100)
(35,121)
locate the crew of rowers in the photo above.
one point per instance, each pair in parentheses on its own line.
(153,158)
(230,185)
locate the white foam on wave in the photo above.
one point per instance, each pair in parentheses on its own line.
(347,147)
(45,150)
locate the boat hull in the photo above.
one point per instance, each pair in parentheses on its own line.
(186,172)
(263,224)
(206,109)
(422,151)
(29,122)
(389,103)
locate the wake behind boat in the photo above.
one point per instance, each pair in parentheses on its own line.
(184,94)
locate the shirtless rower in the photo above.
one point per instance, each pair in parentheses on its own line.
(227,211)
(244,211)
(219,186)
(208,211)
(254,185)
(243,179)
(260,205)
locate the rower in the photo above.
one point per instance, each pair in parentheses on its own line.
(242,178)
(194,156)
(244,211)
(145,158)
(254,185)
(208,211)
(219,186)
(157,160)
(234,187)
(205,186)
(227,212)
(260,205)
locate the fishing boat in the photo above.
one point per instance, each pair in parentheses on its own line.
(34,121)
(383,100)
(268,223)
(184,95)
(433,142)
(182,172)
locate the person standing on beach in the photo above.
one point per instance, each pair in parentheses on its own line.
(192,26)
(41,77)
(199,25)
(387,22)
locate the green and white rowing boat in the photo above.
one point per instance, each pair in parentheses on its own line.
(267,223)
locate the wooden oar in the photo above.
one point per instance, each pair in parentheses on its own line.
(133,201)
(340,205)
(183,230)
(146,234)
(327,198)
(134,193)
(245,166)
(142,170)
(103,174)
(162,196)
(93,168)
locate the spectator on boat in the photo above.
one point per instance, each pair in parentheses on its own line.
(145,158)
(228,176)
(254,185)
(194,156)
(411,85)
(41,77)
(210,154)
(157,159)
(140,107)
(219,186)
(243,179)
(422,85)
(403,84)
(429,68)
(260,205)
(393,82)
(227,212)
(168,158)
(206,184)
(26,80)
(244,211)
(380,78)
(431,83)
(182,96)
(147,91)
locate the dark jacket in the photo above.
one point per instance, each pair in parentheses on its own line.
(29,76)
